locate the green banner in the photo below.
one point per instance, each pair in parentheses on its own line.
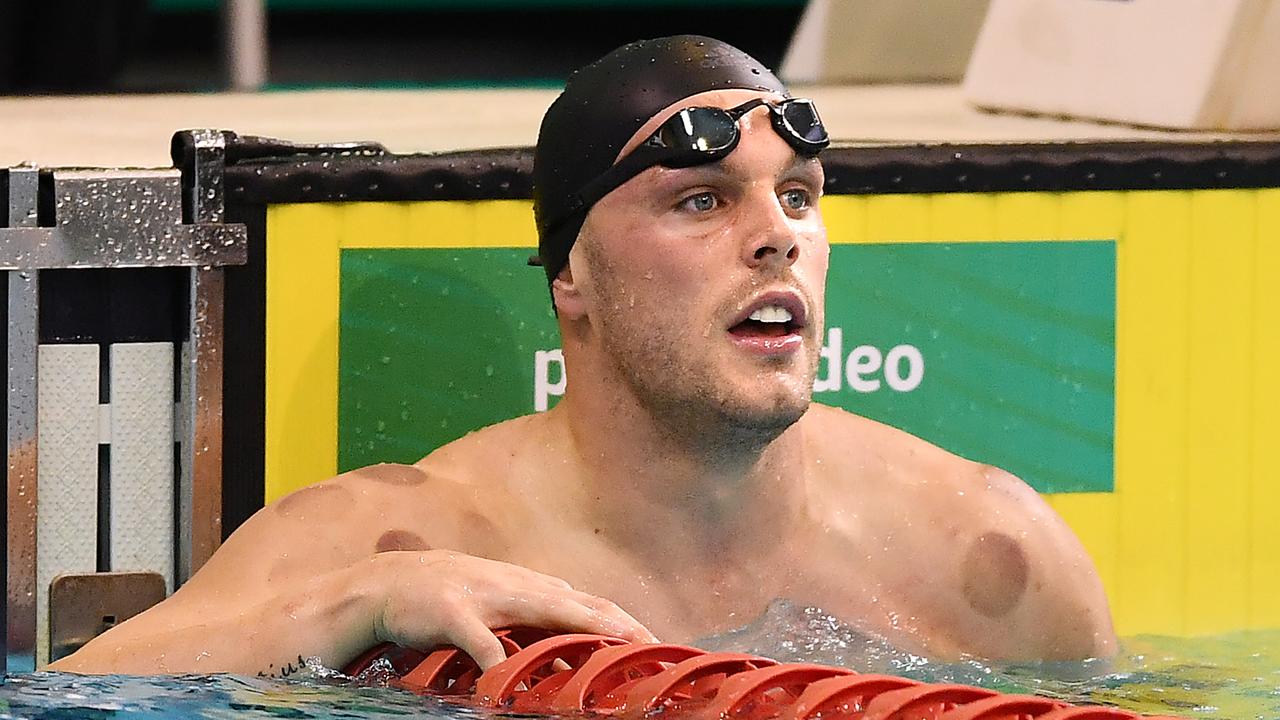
(1000,352)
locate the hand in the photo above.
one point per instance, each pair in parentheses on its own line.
(438,597)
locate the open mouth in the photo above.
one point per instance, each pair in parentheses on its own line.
(771,324)
(768,321)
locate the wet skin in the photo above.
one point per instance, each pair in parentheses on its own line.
(685,476)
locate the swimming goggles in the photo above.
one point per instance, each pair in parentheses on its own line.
(701,135)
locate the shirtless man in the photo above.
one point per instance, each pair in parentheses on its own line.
(685,475)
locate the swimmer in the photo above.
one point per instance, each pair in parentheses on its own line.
(685,481)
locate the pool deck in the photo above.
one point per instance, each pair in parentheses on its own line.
(134,130)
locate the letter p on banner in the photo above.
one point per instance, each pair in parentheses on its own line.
(543,388)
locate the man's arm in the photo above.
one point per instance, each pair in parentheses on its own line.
(1028,572)
(236,631)
(417,599)
(283,587)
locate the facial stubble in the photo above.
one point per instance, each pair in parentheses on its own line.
(681,389)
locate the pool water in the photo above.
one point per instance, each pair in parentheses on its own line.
(1235,676)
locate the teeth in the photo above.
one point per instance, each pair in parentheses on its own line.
(771,314)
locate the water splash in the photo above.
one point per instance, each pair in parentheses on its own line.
(1235,676)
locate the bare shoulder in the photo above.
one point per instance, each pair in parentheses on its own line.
(859,445)
(470,458)
(440,503)
(1016,581)
(317,528)
(338,521)
(921,470)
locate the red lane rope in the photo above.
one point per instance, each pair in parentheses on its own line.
(840,696)
(602,683)
(582,674)
(529,680)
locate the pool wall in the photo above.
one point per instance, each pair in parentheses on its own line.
(1097,318)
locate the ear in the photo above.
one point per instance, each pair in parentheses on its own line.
(568,297)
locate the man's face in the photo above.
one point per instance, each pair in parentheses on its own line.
(673,265)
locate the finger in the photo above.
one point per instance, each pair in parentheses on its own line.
(633,629)
(526,573)
(558,582)
(474,638)
(561,612)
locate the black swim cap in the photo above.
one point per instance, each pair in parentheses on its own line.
(605,103)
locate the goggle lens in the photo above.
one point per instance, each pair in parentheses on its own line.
(694,134)
(802,121)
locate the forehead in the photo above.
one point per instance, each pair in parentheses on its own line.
(725,99)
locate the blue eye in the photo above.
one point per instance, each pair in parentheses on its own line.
(796,199)
(702,202)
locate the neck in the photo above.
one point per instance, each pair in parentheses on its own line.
(668,497)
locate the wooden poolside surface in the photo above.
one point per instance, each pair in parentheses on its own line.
(134,130)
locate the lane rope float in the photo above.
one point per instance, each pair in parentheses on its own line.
(585,675)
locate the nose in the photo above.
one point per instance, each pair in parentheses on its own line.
(774,243)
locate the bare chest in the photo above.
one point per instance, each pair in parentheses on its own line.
(932,590)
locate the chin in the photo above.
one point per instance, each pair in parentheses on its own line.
(772,417)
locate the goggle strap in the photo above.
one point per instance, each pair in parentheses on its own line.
(648,154)
(605,183)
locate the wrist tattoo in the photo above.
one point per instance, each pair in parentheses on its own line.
(284,670)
